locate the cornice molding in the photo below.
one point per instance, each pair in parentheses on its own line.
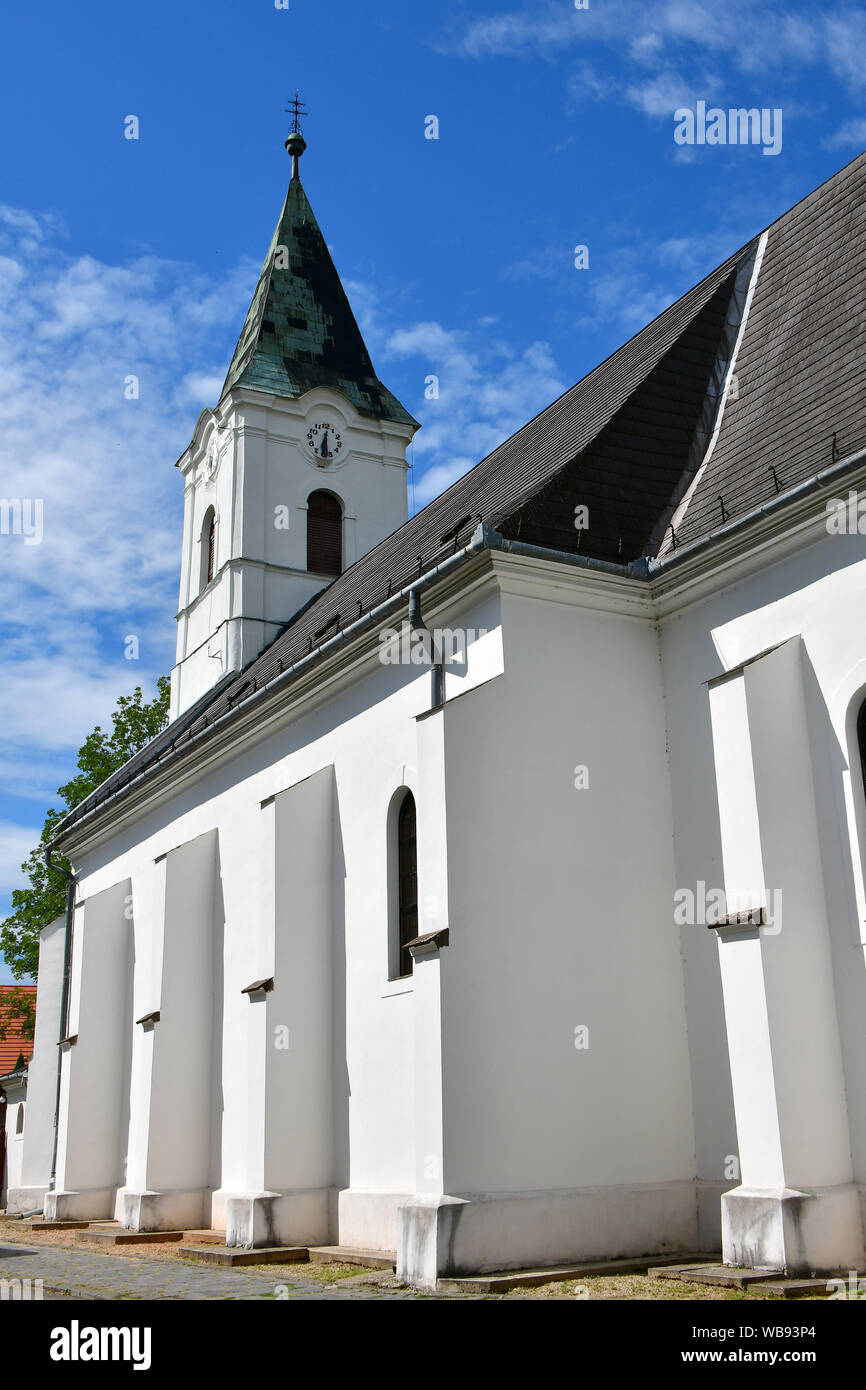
(554,581)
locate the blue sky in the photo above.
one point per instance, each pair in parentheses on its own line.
(123,257)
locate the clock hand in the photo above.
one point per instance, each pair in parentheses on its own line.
(324,449)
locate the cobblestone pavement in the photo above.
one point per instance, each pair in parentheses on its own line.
(85,1274)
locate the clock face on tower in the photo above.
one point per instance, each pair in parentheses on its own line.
(324,442)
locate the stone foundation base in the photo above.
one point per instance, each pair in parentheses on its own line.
(368,1220)
(254,1219)
(96,1205)
(161,1211)
(21,1199)
(484,1232)
(818,1230)
(710,1213)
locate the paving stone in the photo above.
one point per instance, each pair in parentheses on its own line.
(119,1236)
(40,1225)
(233,1256)
(791,1288)
(346,1255)
(720,1275)
(89,1274)
(530,1278)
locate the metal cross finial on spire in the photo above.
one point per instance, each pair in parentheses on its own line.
(296,109)
(296,144)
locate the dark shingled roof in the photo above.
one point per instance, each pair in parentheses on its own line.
(801,367)
(628,439)
(300,331)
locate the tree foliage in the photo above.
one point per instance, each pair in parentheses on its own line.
(134,723)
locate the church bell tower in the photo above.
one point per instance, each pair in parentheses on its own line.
(297,472)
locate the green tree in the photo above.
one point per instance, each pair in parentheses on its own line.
(133,724)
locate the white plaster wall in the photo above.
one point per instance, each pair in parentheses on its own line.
(187,1040)
(299,1077)
(817,593)
(559,913)
(42,1073)
(15,1103)
(94,1116)
(367,733)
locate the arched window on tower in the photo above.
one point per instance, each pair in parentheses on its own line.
(324,534)
(407,882)
(207,557)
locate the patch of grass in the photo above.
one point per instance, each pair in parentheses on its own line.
(328,1274)
(627,1287)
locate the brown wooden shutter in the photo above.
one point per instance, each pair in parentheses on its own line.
(211,548)
(324,534)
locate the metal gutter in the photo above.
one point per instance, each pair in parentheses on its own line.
(767,509)
(634,569)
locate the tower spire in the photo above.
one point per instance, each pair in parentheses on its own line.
(296,144)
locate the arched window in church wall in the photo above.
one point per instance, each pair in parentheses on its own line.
(324,534)
(407,880)
(861,739)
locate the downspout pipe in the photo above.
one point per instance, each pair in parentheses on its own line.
(50,864)
(437,670)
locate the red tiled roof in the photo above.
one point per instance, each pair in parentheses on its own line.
(13,1045)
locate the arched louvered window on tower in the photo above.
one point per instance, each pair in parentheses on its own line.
(324,534)
(207,558)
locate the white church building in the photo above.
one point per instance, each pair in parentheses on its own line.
(553,948)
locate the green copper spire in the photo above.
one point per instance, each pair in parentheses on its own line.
(300,331)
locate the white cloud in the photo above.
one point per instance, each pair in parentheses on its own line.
(487,391)
(845,34)
(72,329)
(663,94)
(757,39)
(850,135)
(16,842)
(202,389)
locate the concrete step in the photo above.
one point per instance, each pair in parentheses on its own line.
(232,1257)
(118,1235)
(204,1237)
(347,1255)
(501,1282)
(791,1288)
(721,1276)
(37,1224)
